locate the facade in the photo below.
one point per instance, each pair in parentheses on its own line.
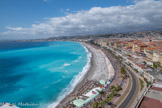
(157,56)
(141,47)
(104,43)
(154,54)
(117,44)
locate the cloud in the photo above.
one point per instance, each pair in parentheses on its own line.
(143,15)
(14,28)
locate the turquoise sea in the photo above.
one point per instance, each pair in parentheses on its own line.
(40,74)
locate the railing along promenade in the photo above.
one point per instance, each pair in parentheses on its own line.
(149,77)
(138,102)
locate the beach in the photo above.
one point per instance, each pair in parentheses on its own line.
(97,67)
(100,69)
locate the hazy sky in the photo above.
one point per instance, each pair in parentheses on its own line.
(24,19)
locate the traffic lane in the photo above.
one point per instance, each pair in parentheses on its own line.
(131,93)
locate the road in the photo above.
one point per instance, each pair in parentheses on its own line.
(132,92)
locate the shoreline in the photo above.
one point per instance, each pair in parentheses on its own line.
(81,77)
(80,83)
(74,88)
(94,73)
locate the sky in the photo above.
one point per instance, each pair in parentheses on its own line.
(31,19)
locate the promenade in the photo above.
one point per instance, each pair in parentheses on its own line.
(116,81)
(101,69)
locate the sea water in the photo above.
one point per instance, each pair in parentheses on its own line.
(40,74)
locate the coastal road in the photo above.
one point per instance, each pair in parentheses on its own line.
(128,100)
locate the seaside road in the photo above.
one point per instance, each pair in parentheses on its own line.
(132,92)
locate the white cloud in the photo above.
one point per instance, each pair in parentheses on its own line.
(144,14)
(14,28)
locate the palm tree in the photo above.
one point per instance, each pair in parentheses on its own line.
(118,88)
(112,87)
(101,92)
(95,105)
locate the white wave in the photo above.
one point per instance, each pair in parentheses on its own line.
(66,64)
(74,81)
(57,81)
(78,59)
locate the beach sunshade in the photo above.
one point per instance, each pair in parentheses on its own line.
(102,82)
(78,102)
(91,98)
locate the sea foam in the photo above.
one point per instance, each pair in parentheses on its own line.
(66,64)
(77,79)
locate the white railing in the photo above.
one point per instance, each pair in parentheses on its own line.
(146,75)
(138,101)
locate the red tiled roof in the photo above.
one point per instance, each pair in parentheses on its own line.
(144,45)
(143,66)
(136,41)
(151,43)
(160,50)
(129,47)
(117,41)
(156,88)
(150,103)
(153,48)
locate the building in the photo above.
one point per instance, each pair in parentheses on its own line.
(104,43)
(141,47)
(154,54)
(135,45)
(117,44)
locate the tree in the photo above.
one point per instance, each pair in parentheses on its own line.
(123,71)
(155,65)
(112,88)
(101,92)
(136,70)
(144,63)
(95,105)
(123,76)
(158,65)
(118,88)
(92,42)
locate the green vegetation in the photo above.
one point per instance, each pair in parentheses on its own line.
(112,88)
(118,88)
(123,71)
(107,100)
(142,84)
(96,105)
(155,65)
(114,91)
(113,55)
(136,70)
(92,42)
(101,92)
(148,83)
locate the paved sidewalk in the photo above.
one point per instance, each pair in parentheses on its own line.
(126,89)
(139,93)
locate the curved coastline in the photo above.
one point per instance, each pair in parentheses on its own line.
(76,81)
